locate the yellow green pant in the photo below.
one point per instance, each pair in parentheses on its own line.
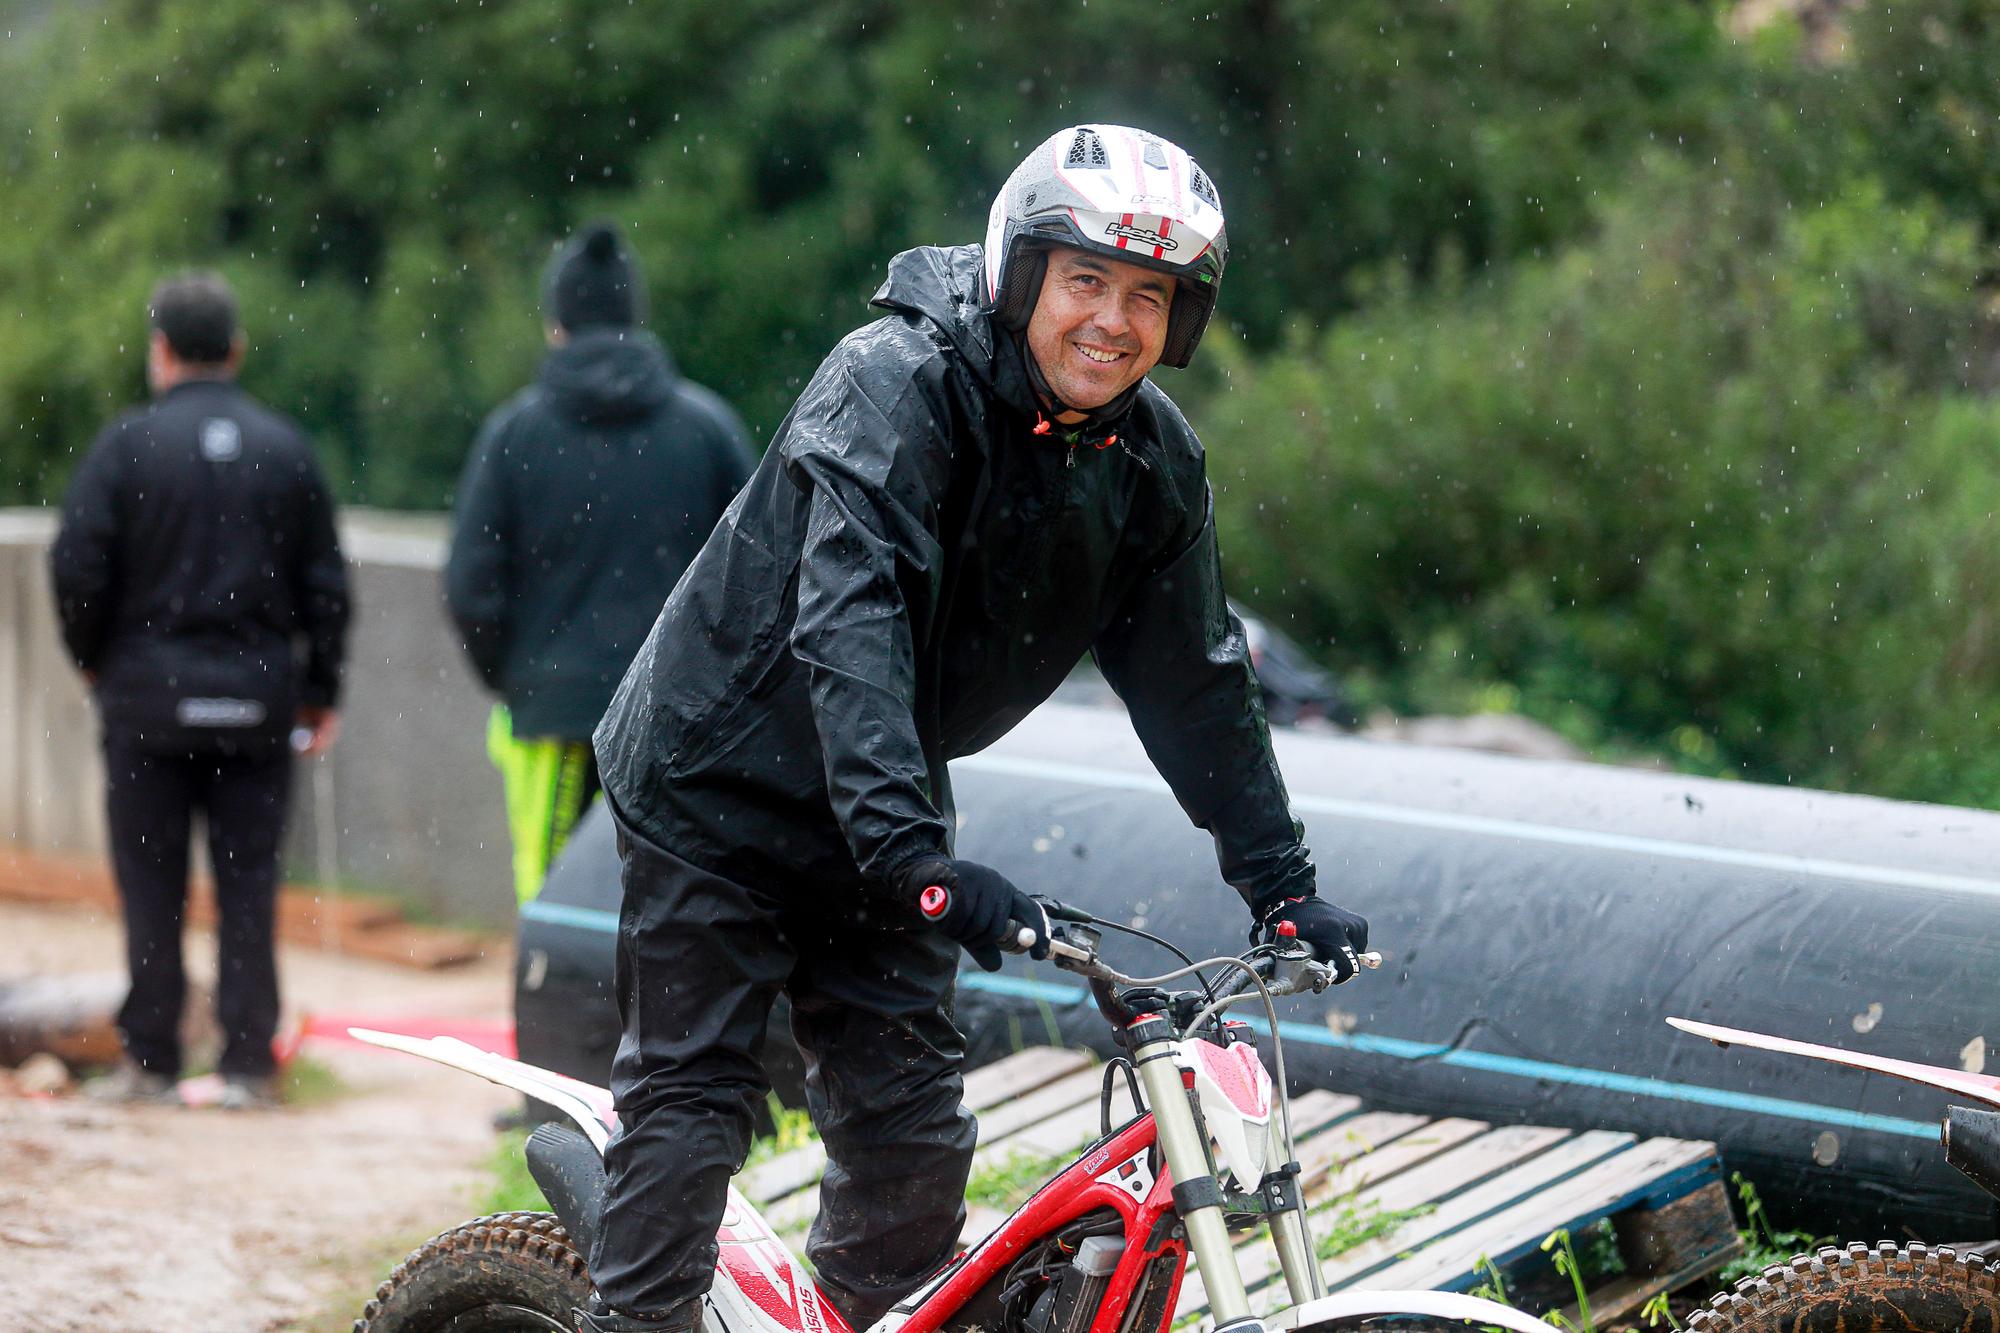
(549,784)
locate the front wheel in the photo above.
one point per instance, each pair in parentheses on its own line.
(1859,1290)
(508,1273)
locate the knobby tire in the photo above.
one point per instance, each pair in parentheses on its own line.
(1860,1289)
(507,1273)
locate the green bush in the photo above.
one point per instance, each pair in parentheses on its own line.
(1706,484)
(388,177)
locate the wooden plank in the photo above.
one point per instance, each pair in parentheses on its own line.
(1019,1073)
(791,1215)
(1602,1188)
(1059,1113)
(781,1175)
(1069,1131)
(1624,1296)
(1457,1209)
(1660,1237)
(415,946)
(1066,1132)
(1418,1145)
(1032,1070)
(1313,1111)
(1017,1113)
(1348,1140)
(1323,1154)
(1666,1248)
(1471,1162)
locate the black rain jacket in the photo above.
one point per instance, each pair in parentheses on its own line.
(583,500)
(909,572)
(198,574)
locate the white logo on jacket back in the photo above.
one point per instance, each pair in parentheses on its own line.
(221,440)
(219,712)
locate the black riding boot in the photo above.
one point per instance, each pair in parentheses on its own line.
(601,1318)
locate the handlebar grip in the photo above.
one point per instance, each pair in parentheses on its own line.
(1370,960)
(1019,938)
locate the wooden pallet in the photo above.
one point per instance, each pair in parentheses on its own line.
(1468,1194)
(367,927)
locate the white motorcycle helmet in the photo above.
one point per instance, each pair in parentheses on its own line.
(1118,192)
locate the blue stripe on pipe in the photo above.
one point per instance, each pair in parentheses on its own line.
(1517,829)
(1400,1048)
(558,914)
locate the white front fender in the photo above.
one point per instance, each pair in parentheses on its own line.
(1350,1305)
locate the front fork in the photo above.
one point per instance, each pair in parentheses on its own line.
(1198,1196)
(1289,1235)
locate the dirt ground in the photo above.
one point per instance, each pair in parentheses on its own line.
(162,1219)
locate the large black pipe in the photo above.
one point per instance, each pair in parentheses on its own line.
(1541,920)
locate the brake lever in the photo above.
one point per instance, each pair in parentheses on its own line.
(1318,976)
(1023,937)
(1061,911)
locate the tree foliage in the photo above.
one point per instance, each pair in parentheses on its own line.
(1620,357)
(1708,480)
(385,180)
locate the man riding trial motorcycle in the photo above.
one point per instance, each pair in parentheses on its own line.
(973,492)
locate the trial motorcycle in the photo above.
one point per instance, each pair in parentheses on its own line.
(1859,1288)
(1102,1247)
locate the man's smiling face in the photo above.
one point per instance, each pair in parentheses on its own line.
(1099,325)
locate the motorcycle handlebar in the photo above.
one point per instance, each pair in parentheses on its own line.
(1308,973)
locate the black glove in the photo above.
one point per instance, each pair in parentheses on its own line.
(1334,934)
(973,904)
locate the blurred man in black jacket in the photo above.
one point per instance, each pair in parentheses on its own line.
(585,497)
(202,593)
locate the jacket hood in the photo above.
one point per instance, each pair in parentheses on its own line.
(946,286)
(608,374)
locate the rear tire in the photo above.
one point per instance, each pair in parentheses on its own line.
(508,1273)
(1858,1289)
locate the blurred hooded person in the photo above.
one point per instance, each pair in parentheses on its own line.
(584,498)
(973,492)
(201,591)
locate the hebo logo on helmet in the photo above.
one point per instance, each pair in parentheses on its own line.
(1143,235)
(1118,192)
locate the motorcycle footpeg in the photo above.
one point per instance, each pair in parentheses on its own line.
(570,1173)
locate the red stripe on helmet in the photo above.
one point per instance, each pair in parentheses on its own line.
(1125,219)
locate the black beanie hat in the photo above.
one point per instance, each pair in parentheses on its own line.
(594,282)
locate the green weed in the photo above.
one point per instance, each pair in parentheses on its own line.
(1352,1222)
(794,1130)
(1010,1180)
(1494,1288)
(306,1082)
(513,1189)
(1763,1244)
(1557,1244)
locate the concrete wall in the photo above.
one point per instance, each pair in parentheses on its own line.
(406,803)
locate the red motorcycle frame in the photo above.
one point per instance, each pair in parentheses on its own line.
(1209,1148)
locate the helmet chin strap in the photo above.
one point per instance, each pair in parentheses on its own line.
(1094,418)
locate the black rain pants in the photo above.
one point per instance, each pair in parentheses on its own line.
(151,800)
(700,962)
